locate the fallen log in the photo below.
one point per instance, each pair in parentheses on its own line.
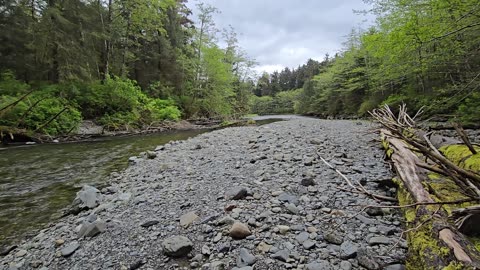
(435,244)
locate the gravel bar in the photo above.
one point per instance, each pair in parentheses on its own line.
(237,198)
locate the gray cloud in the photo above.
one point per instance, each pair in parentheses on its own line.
(282,33)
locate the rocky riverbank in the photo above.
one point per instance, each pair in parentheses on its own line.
(244,198)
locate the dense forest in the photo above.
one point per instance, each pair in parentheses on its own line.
(422,53)
(124,64)
(128,64)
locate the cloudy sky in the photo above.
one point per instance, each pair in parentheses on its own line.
(286,33)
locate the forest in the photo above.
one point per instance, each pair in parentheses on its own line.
(127,64)
(421,53)
(124,64)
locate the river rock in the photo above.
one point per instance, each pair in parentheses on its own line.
(177,246)
(88,196)
(320,265)
(187,219)
(348,250)
(307,182)
(366,260)
(379,240)
(151,154)
(281,255)
(91,229)
(70,249)
(245,258)
(236,193)
(334,238)
(239,231)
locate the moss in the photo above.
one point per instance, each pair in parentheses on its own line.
(461,155)
(423,246)
(454,266)
(386,146)
(476,242)
(445,189)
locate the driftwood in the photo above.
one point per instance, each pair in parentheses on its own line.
(434,243)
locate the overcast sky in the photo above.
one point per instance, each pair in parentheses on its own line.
(286,33)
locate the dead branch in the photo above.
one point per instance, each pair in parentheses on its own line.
(361,188)
(463,135)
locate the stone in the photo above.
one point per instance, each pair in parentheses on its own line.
(283,229)
(374,211)
(177,246)
(187,219)
(59,242)
(264,247)
(92,229)
(88,196)
(309,244)
(365,220)
(334,238)
(307,182)
(348,250)
(379,240)
(239,231)
(21,253)
(292,208)
(245,258)
(302,237)
(226,220)
(366,260)
(387,230)
(345,265)
(216,265)
(285,197)
(320,265)
(150,223)
(236,193)
(281,255)
(308,161)
(206,250)
(151,154)
(70,249)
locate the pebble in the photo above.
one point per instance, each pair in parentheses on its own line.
(239,231)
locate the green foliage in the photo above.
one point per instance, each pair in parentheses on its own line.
(282,103)
(163,110)
(469,110)
(47,115)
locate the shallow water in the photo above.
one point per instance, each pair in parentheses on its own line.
(37,181)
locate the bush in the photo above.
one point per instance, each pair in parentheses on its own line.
(161,109)
(35,112)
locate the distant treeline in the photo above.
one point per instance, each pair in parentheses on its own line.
(422,53)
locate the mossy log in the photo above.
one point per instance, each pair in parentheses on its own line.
(433,242)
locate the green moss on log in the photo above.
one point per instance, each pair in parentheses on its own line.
(461,155)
